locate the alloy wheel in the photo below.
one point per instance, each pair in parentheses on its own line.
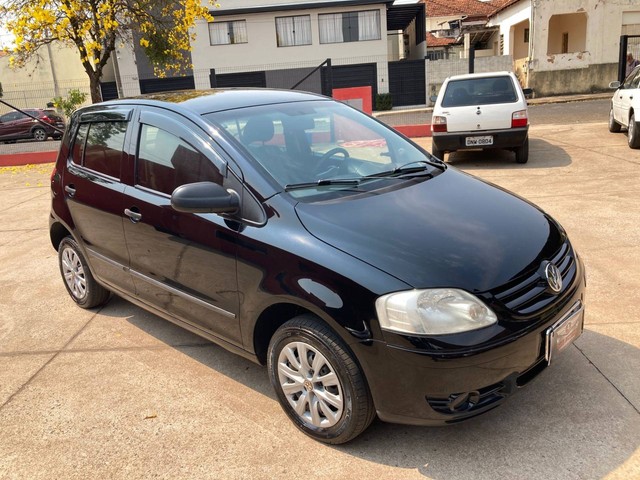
(310,384)
(73,273)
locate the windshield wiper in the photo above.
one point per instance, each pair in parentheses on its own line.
(322,183)
(407,168)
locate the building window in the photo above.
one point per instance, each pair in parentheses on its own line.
(349,26)
(292,31)
(226,33)
(526,35)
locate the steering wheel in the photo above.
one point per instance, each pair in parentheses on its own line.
(320,166)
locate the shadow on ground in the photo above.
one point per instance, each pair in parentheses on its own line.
(559,426)
(542,154)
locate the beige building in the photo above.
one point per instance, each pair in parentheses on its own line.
(566,47)
(55,71)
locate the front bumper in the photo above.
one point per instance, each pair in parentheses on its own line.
(508,138)
(434,388)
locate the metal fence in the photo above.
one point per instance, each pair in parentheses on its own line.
(38,95)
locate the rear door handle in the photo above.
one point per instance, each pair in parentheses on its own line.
(70,189)
(134,216)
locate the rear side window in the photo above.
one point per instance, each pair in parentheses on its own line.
(479,91)
(99,147)
(165,162)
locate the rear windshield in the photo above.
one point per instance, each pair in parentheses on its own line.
(479,91)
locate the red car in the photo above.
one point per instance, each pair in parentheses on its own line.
(17,126)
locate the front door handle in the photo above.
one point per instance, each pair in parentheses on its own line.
(134,216)
(70,189)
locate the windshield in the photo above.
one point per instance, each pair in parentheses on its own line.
(479,91)
(318,144)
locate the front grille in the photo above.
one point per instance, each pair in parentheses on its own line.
(529,294)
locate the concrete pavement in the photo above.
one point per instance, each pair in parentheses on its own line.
(119,393)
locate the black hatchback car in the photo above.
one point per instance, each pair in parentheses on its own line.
(370,277)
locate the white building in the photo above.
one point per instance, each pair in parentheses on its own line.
(566,47)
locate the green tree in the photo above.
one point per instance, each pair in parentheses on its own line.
(74,99)
(95,27)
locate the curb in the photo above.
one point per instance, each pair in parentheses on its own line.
(414,131)
(19,159)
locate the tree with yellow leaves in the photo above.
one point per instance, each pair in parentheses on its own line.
(95,27)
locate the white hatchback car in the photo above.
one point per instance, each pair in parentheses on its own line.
(625,104)
(481,111)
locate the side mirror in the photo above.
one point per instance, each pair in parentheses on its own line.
(615,85)
(527,92)
(204,197)
(433,98)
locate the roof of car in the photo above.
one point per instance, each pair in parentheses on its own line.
(479,75)
(216,100)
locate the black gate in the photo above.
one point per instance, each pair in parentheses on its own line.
(109,90)
(153,85)
(407,82)
(628,44)
(243,79)
(360,75)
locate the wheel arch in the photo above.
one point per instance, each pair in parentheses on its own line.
(57,232)
(272,318)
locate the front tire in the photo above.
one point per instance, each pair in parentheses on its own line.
(522,153)
(78,280)
(319,385)
(634,133)
(614,127)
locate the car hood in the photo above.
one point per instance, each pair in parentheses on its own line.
(452,230)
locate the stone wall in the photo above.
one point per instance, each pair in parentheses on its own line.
(595,78)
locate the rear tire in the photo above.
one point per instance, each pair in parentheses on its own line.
(522,152)
(614,127)
(318,383)
(634,133)
(437,153)
(39,134)
(78,280)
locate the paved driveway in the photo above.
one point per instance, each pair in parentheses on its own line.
(119,393)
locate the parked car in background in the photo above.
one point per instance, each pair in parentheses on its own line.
(15,125)
(370,277)
(481,111)
(625,107)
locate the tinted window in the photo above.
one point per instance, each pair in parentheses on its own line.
(103,150)
(166,162)
(309,141)
(479,91)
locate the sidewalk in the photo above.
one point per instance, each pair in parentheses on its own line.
(421,115)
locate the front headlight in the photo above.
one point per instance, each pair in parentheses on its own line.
(439,311)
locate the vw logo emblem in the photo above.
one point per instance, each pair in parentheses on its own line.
(554,277)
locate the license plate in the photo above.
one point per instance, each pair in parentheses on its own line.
(564,332)
(479,141)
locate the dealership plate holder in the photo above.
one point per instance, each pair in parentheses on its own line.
(562,333)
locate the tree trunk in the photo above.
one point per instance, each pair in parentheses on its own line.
(94,86)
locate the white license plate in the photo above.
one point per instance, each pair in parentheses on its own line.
(479,141)
(564,332)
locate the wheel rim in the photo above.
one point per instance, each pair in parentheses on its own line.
(73,273)
(611,120)
(310,384)
(39,135)
(632,129)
